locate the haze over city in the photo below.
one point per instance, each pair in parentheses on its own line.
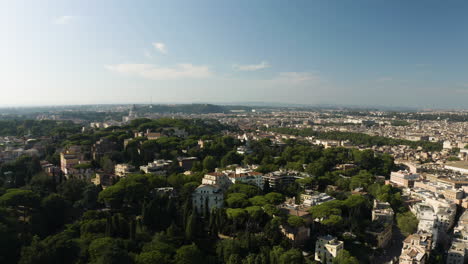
(365,53)
(234,132)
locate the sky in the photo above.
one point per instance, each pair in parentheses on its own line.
(361,52)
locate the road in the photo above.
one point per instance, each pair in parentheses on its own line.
(392,250)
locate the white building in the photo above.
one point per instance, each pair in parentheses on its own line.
(158,167)
(416,249)
(458,166)
(220,179)
(327,248)
(403,178)
(382,212)
(207,197)
(245,175)
(310,198)
(458,252)
(427,219)
(122,170)
(435,215)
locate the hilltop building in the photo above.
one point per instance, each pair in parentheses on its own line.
(327,248)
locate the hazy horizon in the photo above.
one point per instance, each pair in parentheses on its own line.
(399,53)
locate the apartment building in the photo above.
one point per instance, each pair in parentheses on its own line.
(327,248)
(416,248)
(404,178)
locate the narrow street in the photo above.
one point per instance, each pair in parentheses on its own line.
(393,250)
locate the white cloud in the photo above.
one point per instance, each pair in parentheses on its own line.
(63,20)
(154,72)
(161,47)
(252,67)
(296,78)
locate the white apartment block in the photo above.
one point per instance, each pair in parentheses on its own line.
(217,178)
(254,178)
(157,167)
(207,197)
(435,215)
(327,248)
(310,198)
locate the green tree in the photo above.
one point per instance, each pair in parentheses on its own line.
(237,200)
(152,257)
(72,189)
(343,257)
(292,256)
(9,240)
(189,254)
(107,165)
(107,250)
(274,198)
(90,196)
(255,212)
(192,229)
(23,202)
(112,196)
(231,158)
(247,189)
(209,163)
(362,179)
(55,211)
(237,215)
(295,221)
(329,213)
(42,184)
(258,200)
(407,223)
(59,248)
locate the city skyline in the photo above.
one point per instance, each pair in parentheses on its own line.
(377,53)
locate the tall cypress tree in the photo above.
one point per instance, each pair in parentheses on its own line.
(132,231)
(108,226)
(266,186)
(192,227)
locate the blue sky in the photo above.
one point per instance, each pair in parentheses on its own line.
(369,52)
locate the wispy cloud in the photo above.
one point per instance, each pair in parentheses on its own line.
(63,20)
(296,78)
(384,79)
(154,72)
(161,47)
(252,67)
(461,91)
